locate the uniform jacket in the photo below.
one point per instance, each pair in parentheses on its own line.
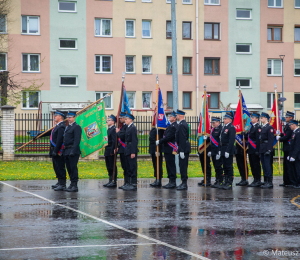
(169,136)
(253,139)
(111,141)
(182,137)
(152,140)
(266,138)
(215,140)
(227,139)
(295,145)
(131,140)
(72,138)
(121,135)
(286,137)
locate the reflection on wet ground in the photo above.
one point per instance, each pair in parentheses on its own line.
(245,223)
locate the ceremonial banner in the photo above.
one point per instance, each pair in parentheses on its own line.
(94,129)
(273,121)
(202,130)
(162,121)
(125,103)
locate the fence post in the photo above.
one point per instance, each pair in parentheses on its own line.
(8,132)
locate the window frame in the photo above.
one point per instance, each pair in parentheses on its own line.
(6,62)
(167,66)
(297,26)
(191,31)
(28,62)
(65,39)
(133,64)
(274,1)
(190,58)
(150,64)
(147,92)
(101,66)
(213,30)
(244,78)
(295,102)
(101,96)
(167,99)
(5,25)
(27,100)
(211,3)
(150,36)
(209,101)
(134,92)
(295,67)
(242,18)
(129,20)
(272,27)
(27,33)
(100,33)
(272,98)
(190,2)
(168,21)
(69,76)
(190,93)
(296,7)
(272,68)
(66,11)
(146,1)
(213,65)
(243,53)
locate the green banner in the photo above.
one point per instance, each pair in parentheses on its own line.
(94,129)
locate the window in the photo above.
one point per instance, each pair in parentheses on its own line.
(3,61)
(187,1)
(270,99)
(169,30)
(243,48)
(297,33)
(130,64)
(274,33)
(213,100)
(169,1)
(297,68)
(103,64)
(170,99)
(68,81)
(103,27)
(297,3)
(275,3)
(130,28)
(65,6)
(274,68)
(243,14)
(146,1)
(211,31)
(186,30)
(187,65)
(30,24)
(212,2)
(243,82)
(146,29)
(186,100)
(3,25)
(146,97)
(169,65)
(131,99)
(67,44)
(212,66)
(108,101)
(30,99)
(146,63)
(30,62)
(297,100)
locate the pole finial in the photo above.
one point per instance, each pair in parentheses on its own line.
(239,85)
(123,77)
(205,87)
(275,86)
(157,78)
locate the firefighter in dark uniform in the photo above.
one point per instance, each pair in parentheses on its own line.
(131,150)
(208,166)
(266,150)
(109,152)
(153,153)
(56,145)
(227,150)
(285,139)
(71,150)
(121,147)
(294,155)
(253,150)
(170,149)
(240,161)
(184,148)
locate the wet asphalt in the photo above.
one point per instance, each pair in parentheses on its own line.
(245,223)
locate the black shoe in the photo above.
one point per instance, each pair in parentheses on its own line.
(121,187)
(60,187)
(201,183)
(282,185)
(242,183)
(170,185)
(268,184)
(55,185)
(156,183)
(296,187)
(221,184)
(72,188)
(111,185)
(182,186)
(289,186)
(227,186)
(129,187)
(255,183)
(105,185)
(208,184)
(215,185)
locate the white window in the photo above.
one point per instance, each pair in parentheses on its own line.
(297,100)
(274,68)
(30,24)
(146,1)
(3,24)
(187,1)
(103,64)
(108,101)
(103,27)
(67,6)
(130,64)
(131,99)
(30,62)
(130,28)
(297,3)
(3,61)
(297,68)
(68,44)
(243,14)
(275,3)
(30,99)
(271,98)
(146,29)
(68,81)
(187,30)
(146,63)
(242,48)
(243,82)
(146,98)
(212,2)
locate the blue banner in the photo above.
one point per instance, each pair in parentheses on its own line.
(162,121)
(125,103)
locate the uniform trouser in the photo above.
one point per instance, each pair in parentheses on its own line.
(71,163)
(183,165)
(109,161)
(131,166)
(228,166)
(240,161)
(255,166)
(171,166)
(123,164)
(154,163)
(218,167)
(59,167)
(295,172)
(286,169)
(208,166)
(266,162)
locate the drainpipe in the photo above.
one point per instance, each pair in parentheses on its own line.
(197,55)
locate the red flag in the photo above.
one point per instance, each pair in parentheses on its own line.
(237,121)
(273,118)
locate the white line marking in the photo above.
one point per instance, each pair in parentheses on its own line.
(58,247)
(111,224)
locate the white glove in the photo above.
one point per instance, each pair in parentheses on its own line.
(156,154)
(181,155)
(277,132)
(277,137)
(292,159)
(157,142)
(288,158)
(204,137)
(226,155)
(218,156)
(209,154)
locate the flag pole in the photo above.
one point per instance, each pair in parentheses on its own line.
(205,135)
(243,129)
(80,111)
(277,124)
(157,137)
